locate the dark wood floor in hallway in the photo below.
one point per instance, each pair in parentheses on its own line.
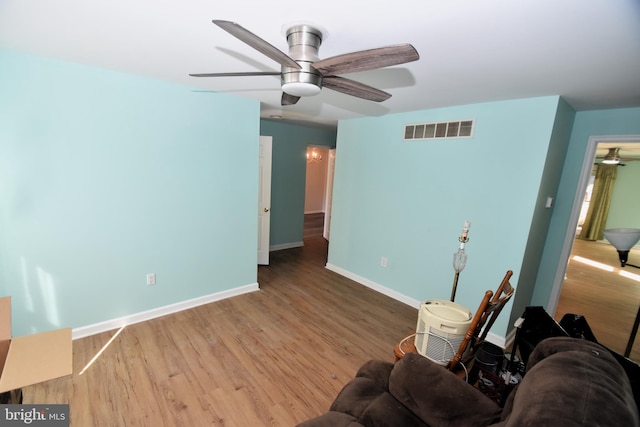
(313,225)
(269,358)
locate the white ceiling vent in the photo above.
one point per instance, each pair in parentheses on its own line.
(457,129)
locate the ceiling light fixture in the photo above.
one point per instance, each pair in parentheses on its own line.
(313,156)
(612,157)
(301,89)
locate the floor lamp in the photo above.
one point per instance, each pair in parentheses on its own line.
(623,239)
(460,258)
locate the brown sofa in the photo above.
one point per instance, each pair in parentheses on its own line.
(569,382)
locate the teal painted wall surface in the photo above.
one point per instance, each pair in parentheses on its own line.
(407,201)
(105,177)
(625,121)
(288,175)
(563,125)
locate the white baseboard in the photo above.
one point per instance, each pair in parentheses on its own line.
(375,286)
(497,340)
(285,246)
(491,337)
(85,331)
(510,338)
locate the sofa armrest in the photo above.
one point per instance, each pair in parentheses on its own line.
(437,396)
(572,382)
(377,371)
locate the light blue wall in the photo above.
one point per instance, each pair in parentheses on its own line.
(105,177)
(288,176)
(558,146)
(624,121)
(407,201)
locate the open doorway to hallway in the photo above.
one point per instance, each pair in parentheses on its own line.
(595,286)
(315,191)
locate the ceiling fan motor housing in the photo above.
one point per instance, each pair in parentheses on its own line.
(304,42)
(303,73)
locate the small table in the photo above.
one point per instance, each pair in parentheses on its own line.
(406,345)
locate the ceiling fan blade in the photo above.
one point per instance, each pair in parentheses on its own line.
(257,43)
(367,60)
(255,73)
(354,88)
(289,99)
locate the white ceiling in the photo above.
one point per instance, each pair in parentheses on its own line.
(471,51)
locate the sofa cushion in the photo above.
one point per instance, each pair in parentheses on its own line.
(376,370)
(354,398)
(439,397)
(331,419)
(572,382)
(386,411)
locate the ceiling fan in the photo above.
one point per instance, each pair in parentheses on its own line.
(303,73)
(613,157)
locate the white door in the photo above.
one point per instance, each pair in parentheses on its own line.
(264,199)
(331,166)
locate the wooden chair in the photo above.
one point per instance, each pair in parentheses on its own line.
(489,309)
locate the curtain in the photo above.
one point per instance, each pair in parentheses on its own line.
(596,219)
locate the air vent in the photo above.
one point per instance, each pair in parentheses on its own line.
(458,129)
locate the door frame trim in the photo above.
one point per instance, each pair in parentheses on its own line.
(583,182)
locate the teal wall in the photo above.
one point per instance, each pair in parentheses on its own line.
(288,176)
(558,147)
(587,123)
(624,211)
(407,201)
(105,177)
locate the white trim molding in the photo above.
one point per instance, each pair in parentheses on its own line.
(85,331)
(375,286)
(282,246)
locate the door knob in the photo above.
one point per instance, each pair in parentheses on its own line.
(266,209)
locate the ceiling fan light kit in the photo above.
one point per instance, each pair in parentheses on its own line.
(303,73)
(299,88)
(612,157)
(304,42)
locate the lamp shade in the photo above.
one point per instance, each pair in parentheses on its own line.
(623,239)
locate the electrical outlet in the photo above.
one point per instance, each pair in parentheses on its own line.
(151,279)
(383,262)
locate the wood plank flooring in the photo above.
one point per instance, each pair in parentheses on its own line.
(608,299)
(274,357)
(313,225)
(280,355)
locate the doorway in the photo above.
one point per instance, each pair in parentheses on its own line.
(315,195)
(593,283)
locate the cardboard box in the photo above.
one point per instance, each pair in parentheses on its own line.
(31,359)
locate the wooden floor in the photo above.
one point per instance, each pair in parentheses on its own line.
(270,358)
(608,299)
(313,225)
